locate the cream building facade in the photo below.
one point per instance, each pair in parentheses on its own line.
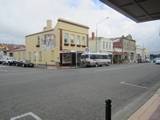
(142,54)
(62,44)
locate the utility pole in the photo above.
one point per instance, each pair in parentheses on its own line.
(97,31)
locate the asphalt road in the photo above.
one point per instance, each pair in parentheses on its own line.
(75,94)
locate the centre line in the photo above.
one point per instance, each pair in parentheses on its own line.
(134,85)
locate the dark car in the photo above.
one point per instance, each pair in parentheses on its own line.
(26,63)
(19,63)
(12,62)
(1,60)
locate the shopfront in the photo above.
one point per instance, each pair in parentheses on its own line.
(70,58)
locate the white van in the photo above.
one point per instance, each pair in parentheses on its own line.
(95,59)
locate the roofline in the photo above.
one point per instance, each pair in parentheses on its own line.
(16,50)
(39,32)
(72,23)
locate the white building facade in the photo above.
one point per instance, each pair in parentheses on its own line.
(101,45)
(142,54)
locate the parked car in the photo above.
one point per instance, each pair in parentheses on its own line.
(1,60)
(13,62)
(7,60)
(157,61)
(25,63)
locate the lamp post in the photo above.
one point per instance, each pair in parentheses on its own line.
(97,30)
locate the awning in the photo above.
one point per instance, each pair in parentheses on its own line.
(137,10)
(120,53)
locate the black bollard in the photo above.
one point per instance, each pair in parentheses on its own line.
(108,109)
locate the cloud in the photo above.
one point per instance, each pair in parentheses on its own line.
(22,17)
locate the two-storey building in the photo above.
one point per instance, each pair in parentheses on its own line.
(62,44)
(124,49)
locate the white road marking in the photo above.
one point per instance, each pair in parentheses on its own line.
(134,85)
(25,115)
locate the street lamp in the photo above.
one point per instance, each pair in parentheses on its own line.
(97,29)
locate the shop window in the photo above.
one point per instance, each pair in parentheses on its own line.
(66,38)
(66,58)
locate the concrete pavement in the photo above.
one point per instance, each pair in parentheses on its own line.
(150,110)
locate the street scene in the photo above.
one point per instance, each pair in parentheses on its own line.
(80,60)
(76,93)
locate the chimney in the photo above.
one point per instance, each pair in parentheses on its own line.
(93,36)
(48,26)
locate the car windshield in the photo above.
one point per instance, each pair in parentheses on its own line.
(99,56)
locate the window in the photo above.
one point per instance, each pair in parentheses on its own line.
(11,54)
(72,39)
(104,56)
(38,40)
(29,55)
(66,58)
(93,57)
(83,40)
(107,45)
(34,56)
(78,40)
(103,44)
(40,56)
(66,38)
(84,56)
(23,55)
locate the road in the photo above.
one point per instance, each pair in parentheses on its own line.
(75,94)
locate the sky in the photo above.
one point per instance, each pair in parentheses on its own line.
(19,18)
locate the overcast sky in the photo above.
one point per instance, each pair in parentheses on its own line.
(21,17)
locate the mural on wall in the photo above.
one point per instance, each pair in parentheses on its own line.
(48,41)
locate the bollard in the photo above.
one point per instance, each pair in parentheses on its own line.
(108,109)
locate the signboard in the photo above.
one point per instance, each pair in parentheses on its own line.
(48,41)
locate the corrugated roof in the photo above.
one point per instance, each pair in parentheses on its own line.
(137,10)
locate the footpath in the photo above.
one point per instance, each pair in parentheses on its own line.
(150,110)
